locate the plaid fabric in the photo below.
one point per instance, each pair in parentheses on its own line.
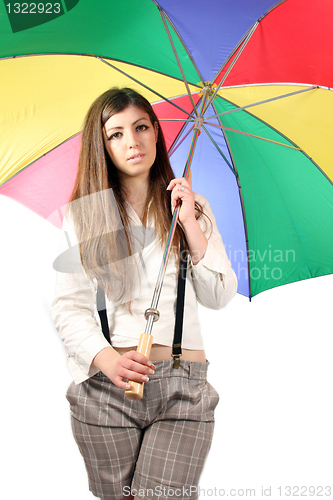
(155,447)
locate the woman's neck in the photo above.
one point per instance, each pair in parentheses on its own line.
(135,193)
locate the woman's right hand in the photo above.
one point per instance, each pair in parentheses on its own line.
(132,365)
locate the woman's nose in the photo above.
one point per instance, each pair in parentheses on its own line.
(132,140)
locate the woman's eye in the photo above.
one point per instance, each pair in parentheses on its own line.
(116,135)
(141,127)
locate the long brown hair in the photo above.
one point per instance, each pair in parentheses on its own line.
(98,196)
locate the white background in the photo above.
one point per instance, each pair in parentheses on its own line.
(271,361)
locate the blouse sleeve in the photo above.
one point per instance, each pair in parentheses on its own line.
(73,309)
(214,280)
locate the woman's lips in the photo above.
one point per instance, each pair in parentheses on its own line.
(136,158)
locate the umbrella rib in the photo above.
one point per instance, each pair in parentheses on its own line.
(177,58)
(220,151)
(230,55)
(226,74)
(252,135)
(295,147)
(241,41)
(239,44)
(176,145)
(145,86)
(180,39)
(176,120)
(98,56)
(241,202)
(262,102)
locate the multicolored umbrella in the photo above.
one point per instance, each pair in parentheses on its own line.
(263,158)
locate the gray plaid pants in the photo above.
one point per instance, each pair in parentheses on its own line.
(154,448)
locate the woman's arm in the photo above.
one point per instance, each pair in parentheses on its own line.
(196,240)
(214,281)
(73,312)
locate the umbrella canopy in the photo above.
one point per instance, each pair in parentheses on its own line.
(263,158)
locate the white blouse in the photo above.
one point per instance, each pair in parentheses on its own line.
(212,282)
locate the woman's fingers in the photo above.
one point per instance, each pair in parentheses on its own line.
(133,366)
(118,381)
(181,181)
(139,358)
(182,192)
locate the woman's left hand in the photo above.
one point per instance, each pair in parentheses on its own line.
(196,239)
(182,192)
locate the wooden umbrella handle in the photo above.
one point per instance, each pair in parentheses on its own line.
(144,346)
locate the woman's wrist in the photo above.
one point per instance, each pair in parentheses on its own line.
(131,365)
(104,359)
(196,240)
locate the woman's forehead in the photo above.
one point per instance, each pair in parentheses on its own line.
(129,115)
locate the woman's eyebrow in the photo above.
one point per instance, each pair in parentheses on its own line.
(143,118)
(120,128)
(113,128)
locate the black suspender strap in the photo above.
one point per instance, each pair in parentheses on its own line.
(177,339)
(101,308)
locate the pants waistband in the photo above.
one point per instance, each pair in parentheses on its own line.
(187,369)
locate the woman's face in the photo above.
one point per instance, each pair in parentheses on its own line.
(130,139)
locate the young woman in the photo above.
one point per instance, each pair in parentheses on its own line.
(155,447)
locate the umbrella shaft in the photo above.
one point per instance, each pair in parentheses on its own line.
(159,282)
(160,278)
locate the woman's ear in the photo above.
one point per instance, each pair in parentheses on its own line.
(156,130)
